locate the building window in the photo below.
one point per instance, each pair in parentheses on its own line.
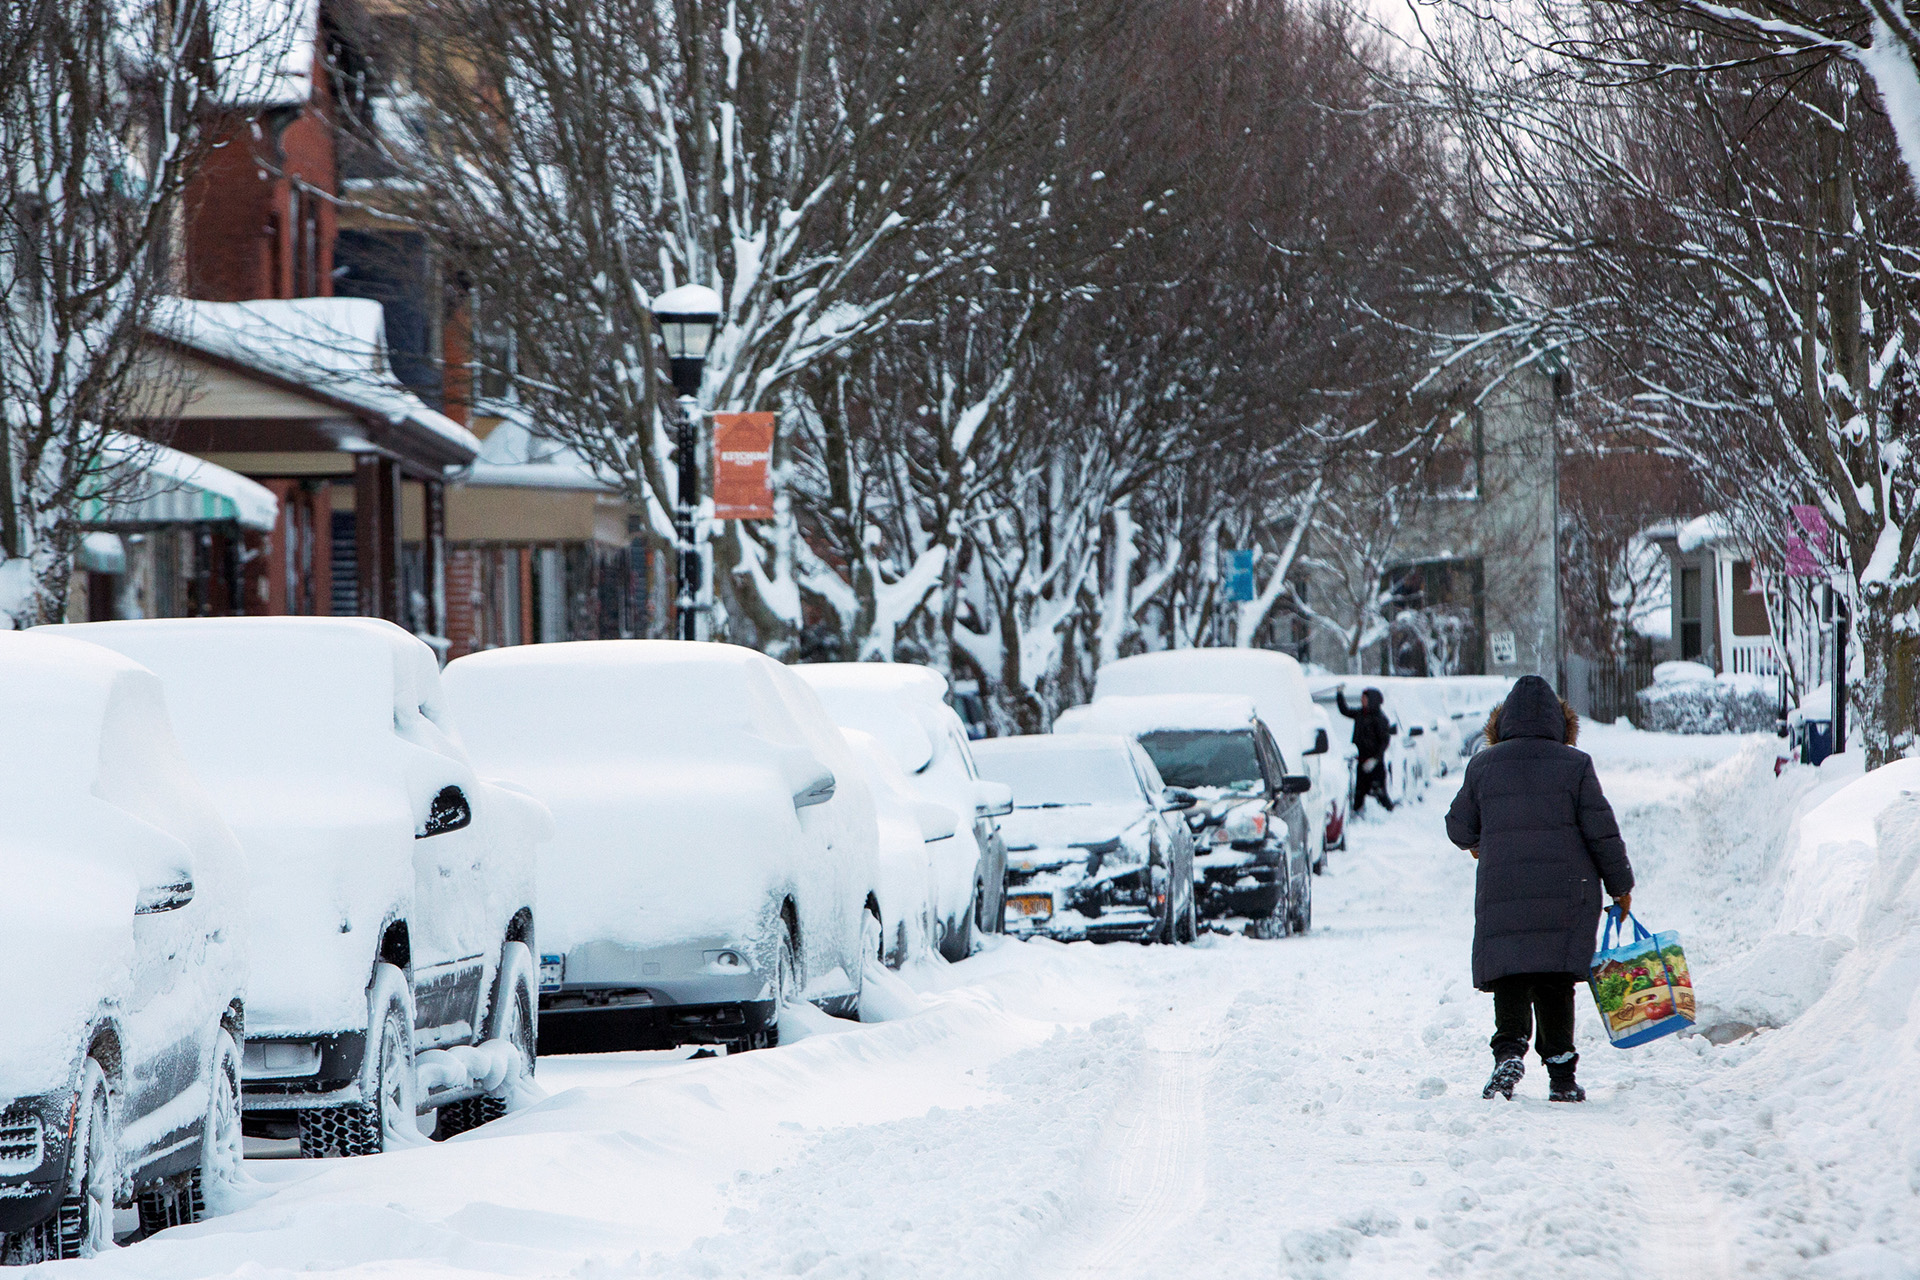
(304,214)
(1454,469)
(1749,602)
(1690,614)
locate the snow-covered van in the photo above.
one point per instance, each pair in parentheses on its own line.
(123,940)
(1250,831)
(1278,689)
(1096,846)
(904,707)
(391,889)
(715,847)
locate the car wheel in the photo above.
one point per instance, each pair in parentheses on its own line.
(1303,917)
(1189,922)
(222,1148)
(83,1224)
(389,1116)
(957,944)
(514,1020)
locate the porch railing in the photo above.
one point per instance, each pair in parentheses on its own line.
(1752,656)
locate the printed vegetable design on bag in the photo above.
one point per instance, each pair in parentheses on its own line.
(1643,988)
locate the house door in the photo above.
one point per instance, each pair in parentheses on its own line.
(1690,614)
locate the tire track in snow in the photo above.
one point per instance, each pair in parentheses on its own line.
(1147,1179)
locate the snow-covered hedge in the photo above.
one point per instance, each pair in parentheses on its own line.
(1688,698)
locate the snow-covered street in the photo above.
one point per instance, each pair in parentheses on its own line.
(1307,1107)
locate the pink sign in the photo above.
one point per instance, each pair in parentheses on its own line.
(1814,521)
(1806,554)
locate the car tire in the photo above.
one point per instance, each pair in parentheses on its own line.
(1302,921)
(957,944)
(1188,925)
(379,1123)
(222,1148)
(513,1018)
(1278,922)
(83,1224)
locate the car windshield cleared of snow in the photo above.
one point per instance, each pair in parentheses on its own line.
(1205,758)
(1056,778)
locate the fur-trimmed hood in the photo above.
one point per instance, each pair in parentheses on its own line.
(1532,699)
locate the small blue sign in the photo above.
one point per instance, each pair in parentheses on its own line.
(1240,575)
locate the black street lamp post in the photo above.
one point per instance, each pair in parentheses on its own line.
(687,318)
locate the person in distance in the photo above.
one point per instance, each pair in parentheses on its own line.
(1371,732)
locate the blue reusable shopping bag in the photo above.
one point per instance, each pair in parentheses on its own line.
(1643,987)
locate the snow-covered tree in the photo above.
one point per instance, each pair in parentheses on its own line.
(1716,220)
(101,105)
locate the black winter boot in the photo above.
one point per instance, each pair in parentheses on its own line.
(1506,1074)
(1567,1090)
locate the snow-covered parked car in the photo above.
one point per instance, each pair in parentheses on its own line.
(1279,691)
(904,707)
(715,842)
(916,839)
(391,890)
(1250,831)
(123,939)
(1096,845)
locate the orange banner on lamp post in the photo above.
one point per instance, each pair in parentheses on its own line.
(742,466)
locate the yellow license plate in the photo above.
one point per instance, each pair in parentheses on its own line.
(1031,904)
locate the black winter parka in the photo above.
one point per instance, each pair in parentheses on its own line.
(1372,731)
(1532,805)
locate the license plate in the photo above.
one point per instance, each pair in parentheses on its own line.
(553,970)
(1031,905)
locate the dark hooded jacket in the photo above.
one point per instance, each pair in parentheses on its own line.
(1532,805)
(1371,728)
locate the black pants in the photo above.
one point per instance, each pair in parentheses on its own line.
(1537,1006)
(1370,783)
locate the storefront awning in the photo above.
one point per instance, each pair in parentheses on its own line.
(149,484)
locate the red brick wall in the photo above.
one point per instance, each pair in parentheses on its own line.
(243,238)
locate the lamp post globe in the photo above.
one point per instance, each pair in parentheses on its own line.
(687,318)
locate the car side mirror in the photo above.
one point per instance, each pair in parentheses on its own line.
(1295,784)
(992,799)
(815,790)
(1173,799)
(1320,743)
(448,812)
(937,822)
(153,899)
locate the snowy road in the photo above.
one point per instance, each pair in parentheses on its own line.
(1303,1108)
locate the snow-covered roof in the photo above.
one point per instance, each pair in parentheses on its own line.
(263,51)
(514,456)
(1710,530)
(173,487)
(335,348)
(1135,715)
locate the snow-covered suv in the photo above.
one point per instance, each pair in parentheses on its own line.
(123,942)
(392,889)
(715,848)
(904,707)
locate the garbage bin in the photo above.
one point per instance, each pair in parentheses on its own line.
(1815,740)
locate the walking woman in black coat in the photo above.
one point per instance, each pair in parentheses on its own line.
(1532,812)
(1372,732)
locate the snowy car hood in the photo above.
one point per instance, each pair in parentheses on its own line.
(1081,824)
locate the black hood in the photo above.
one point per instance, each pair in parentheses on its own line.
(1532,710)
